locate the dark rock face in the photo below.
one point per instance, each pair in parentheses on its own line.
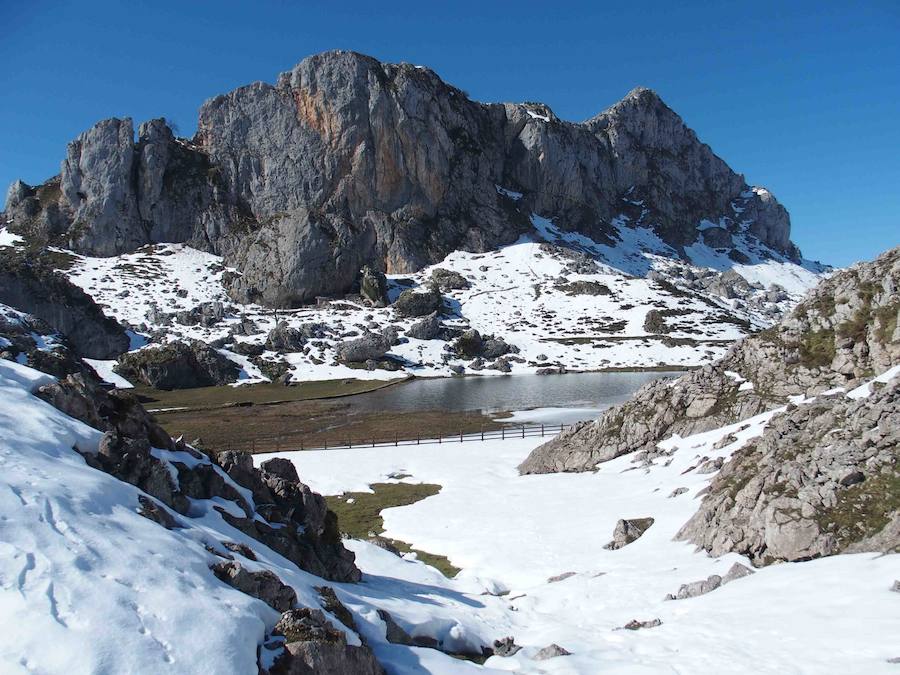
(263,584)
(347,161)
(177,365)
(302,528)
(32,287)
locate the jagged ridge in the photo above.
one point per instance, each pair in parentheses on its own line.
(347,161)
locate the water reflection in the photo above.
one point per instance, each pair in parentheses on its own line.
(589,392)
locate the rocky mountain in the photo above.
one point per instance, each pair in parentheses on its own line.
(346,162)
(823,477)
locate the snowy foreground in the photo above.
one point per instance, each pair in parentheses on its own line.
(89,586)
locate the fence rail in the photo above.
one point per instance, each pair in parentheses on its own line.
(504,433)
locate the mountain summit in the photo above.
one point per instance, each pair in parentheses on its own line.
(347,161)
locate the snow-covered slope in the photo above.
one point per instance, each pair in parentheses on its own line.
(832,615)
(87,585)
(561,298)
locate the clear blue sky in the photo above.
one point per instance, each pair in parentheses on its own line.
(802,97)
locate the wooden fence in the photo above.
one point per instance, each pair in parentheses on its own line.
(504,433)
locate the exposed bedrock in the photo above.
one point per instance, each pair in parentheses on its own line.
(346,161)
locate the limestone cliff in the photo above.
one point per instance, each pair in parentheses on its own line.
(347,161)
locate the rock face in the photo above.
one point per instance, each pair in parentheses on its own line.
(312,645)
(847,328)
(824,477)
(177,365)
(346,161)
(31,286)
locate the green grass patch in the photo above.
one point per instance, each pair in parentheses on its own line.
(361,518)
(817,348)
(887,322)
(862,510)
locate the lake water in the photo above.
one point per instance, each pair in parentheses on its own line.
(551,399)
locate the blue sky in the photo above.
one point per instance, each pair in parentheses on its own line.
(802,97)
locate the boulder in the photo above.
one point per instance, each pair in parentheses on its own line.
(370,347)
(418,303)
(448,280)
(428,328)
(373,286)
(284,338)
(551,652)
(628,531)
(313,645)
(262,584)
(177,365)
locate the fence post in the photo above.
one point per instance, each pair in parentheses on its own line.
(326,442)
(502,433)
(395,438)
(349,442)
(417,438)
(460,436)
(373,441)
(542,429)
(523,431)
(482,432)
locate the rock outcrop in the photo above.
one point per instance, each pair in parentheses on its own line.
(313,645)
(177,365)
(32,286)
(346,161)
(823,478)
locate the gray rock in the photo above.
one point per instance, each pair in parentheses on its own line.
(284,338)
(635,624)
(177,365)
(313,645)
(418,303)
(560,577)
(263,584)
(710,465)
(448,280)
(736,571)
(373,286)
(370,347)
(628,531)
(677,491)
(695,588)
(505,647)
(469,344)
(550,652)
(428,328)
